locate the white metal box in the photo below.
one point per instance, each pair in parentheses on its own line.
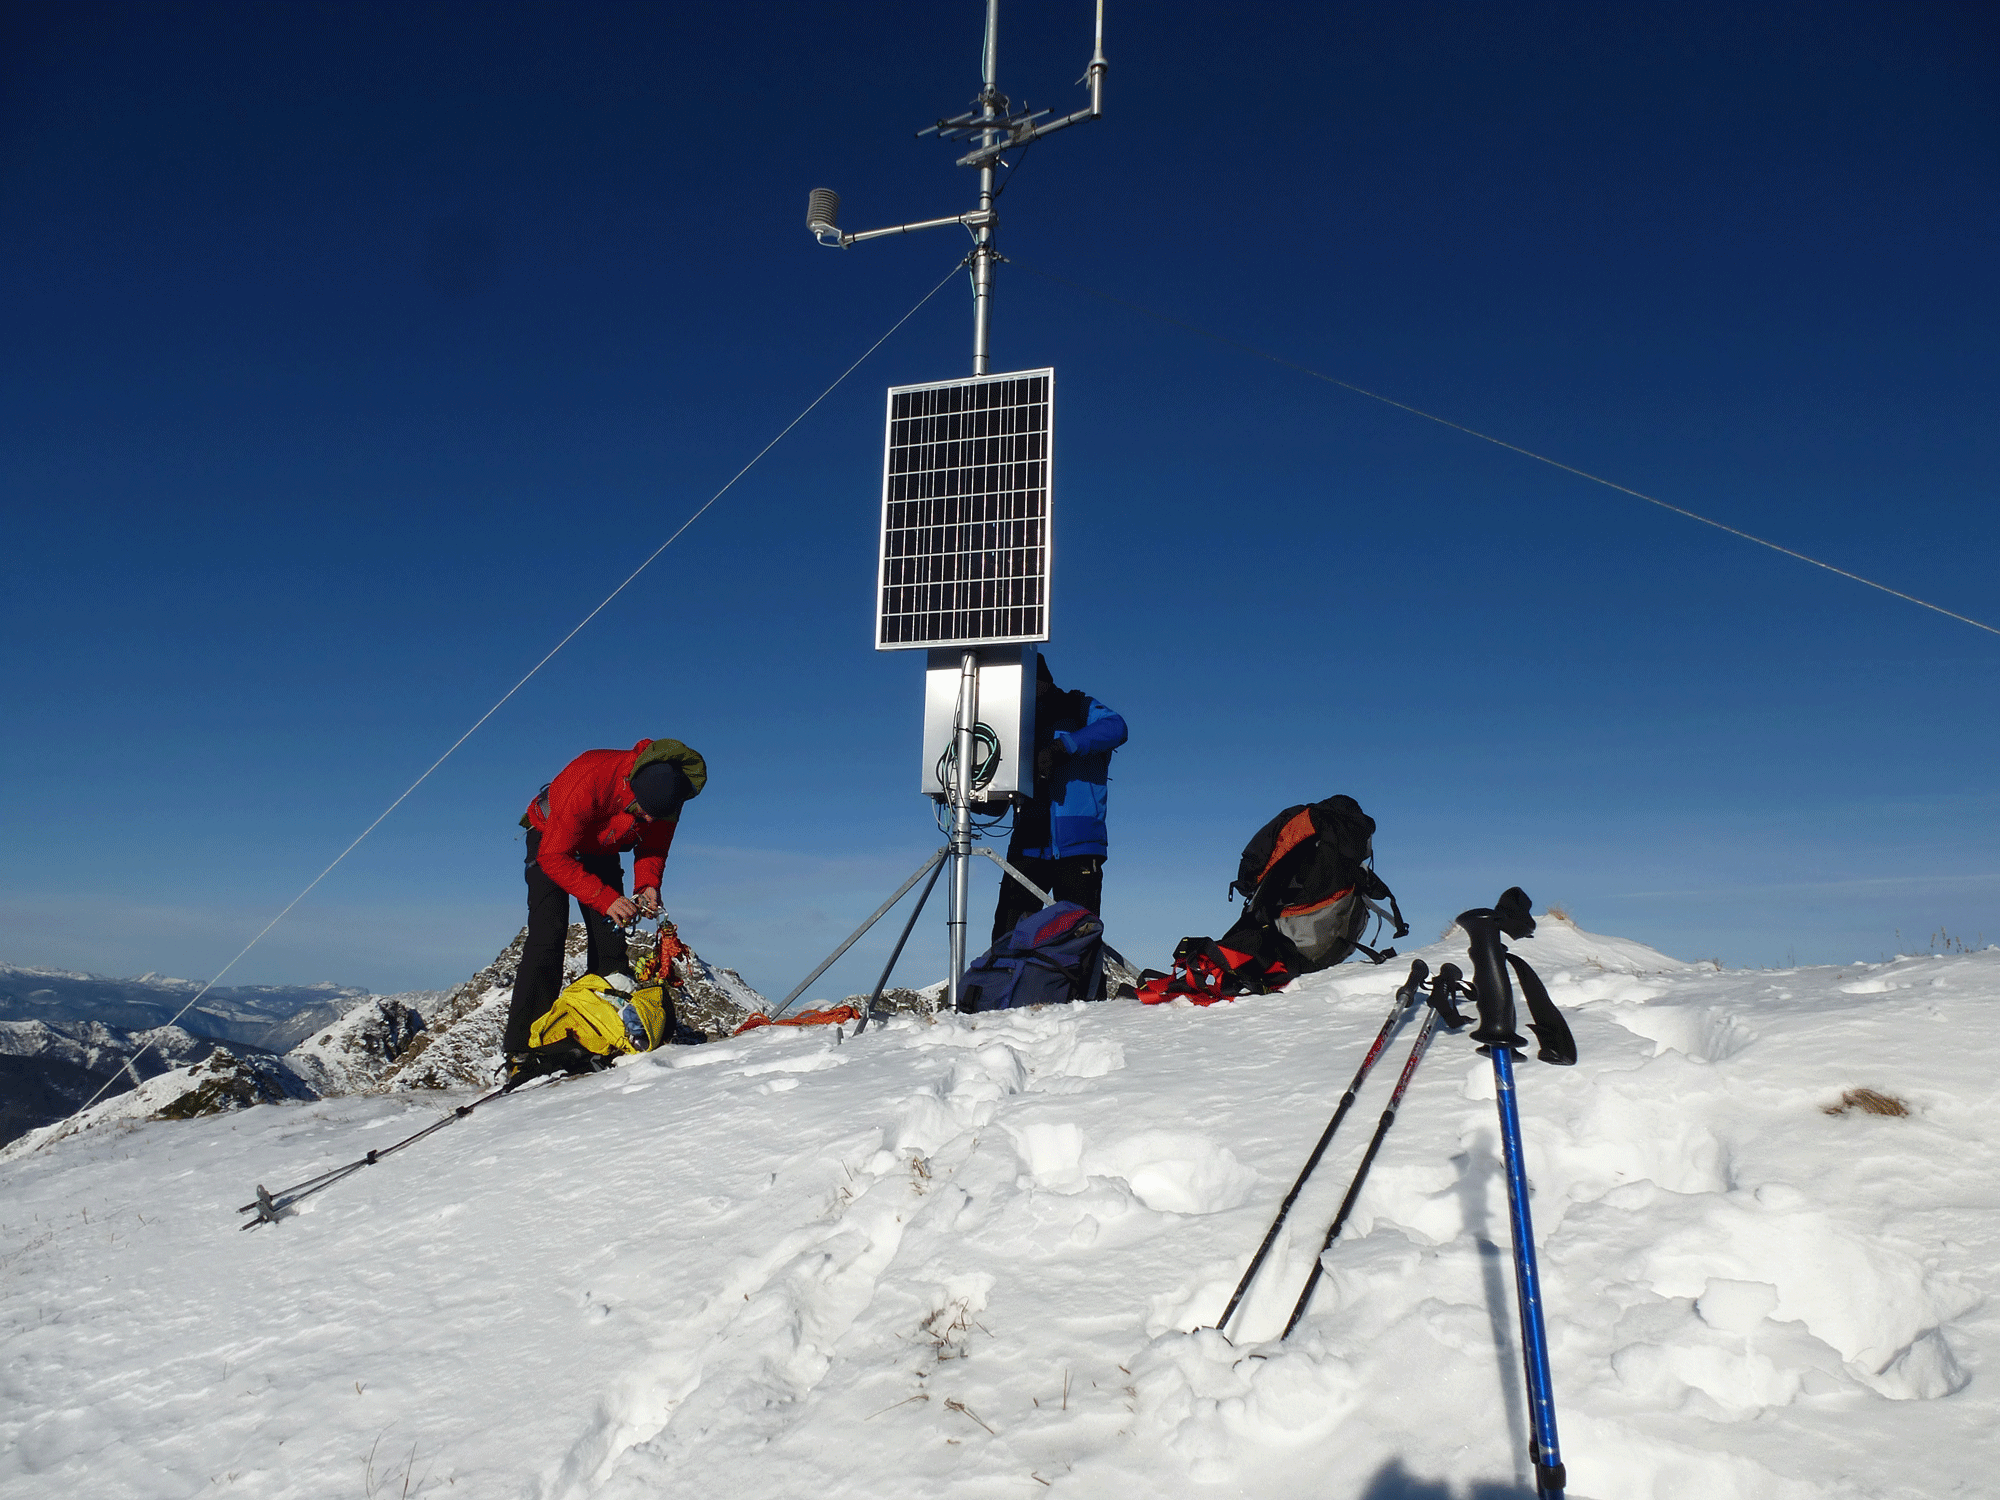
(1005,711)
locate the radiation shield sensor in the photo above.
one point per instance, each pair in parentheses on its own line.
(966,487)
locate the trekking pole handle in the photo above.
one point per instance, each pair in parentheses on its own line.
(1492,989)
(1414,985)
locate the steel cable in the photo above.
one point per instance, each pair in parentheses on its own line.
(130,1064)
(1486,437)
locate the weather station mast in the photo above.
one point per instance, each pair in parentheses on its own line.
(964,563)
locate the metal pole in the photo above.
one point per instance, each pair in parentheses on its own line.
(983,251)
(961,813)
(1399,1007)
(1098,68)
(1417,1048)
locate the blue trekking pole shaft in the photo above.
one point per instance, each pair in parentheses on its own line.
(1497,1038)
(1546,1450)
(1398,1008)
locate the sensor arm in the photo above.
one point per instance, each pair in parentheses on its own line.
(828,232)
(1027,131)
(823,207)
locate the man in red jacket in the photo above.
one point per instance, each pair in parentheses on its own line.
(604,802)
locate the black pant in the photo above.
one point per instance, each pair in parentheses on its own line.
(538,980)
(1075,877)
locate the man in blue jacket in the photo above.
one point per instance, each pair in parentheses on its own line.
(1059,837)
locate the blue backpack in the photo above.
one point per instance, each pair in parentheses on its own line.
(1052,956)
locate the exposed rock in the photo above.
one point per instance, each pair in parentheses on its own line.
(357,1051)
(459,1046)
(222,1081)
(899,1001)
(50,1068)
(713,1001)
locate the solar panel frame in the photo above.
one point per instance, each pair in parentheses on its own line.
(968,487)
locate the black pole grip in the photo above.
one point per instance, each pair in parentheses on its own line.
(1444,989)
(1414,985)
(1492,990)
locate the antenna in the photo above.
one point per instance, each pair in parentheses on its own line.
(999,129)
(964,565)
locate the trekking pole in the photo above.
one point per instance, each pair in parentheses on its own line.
(1399,1007)
(1447,980)
(270,1207)
(1498,1040)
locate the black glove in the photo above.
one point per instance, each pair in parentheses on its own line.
(1046,758)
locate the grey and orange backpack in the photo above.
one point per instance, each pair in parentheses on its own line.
(1309,891)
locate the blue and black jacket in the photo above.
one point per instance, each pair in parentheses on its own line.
(1067,816)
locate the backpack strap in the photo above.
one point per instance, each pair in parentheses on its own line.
(1378,890)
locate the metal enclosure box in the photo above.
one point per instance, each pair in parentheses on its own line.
(1006,707)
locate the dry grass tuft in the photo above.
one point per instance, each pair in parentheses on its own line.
(950,1329)
(1869,1103)
(1559,912)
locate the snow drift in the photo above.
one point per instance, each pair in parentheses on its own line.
(974,1258)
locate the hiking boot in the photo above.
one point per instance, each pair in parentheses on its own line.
(520,1067)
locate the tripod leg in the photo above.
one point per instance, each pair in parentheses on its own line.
(855,936)
(868,1010)
(1032,889)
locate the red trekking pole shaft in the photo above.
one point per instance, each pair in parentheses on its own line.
(1417,1049)
(1398,1008)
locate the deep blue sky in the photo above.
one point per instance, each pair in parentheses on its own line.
(349,352)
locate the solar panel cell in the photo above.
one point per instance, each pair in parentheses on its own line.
(965,512)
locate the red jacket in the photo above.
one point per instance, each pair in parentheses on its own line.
(586,814)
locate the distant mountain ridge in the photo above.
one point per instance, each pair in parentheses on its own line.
(67,1038)
(274,1018)
(241,1047)
(50,1068)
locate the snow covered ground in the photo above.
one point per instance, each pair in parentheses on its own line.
(963,1260)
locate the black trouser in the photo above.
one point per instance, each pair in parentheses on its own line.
(1075,877)
(538,980)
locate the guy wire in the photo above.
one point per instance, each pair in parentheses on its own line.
(1484,437)
(131,1062)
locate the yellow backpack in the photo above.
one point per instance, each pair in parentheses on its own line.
(605,1017)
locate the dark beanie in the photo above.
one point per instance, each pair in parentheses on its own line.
(660,788)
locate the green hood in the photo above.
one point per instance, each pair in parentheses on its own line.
(675,753)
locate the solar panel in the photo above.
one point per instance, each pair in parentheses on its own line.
(965,512)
